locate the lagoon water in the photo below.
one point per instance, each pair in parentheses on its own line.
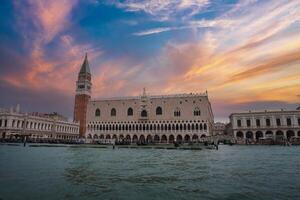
(232,172)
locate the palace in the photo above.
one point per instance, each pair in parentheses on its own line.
(144,118)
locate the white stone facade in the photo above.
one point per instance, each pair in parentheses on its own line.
(253,125)
(15,124)
(159,119)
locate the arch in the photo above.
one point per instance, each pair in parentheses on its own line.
(249,135)
(197,112)
(97,112)
(149,139)
(203,136)
(240,134)
(164,139)
(107,137)
(144,113)
(135,139)
(114,137)
(121,137)
(101,136)
(129,111)
(113,112)
(258,135)
(179,138)
(195,137)
(279,134)
(89,136)
(187,138)
(269,134)
(142,139)
(290,134)
(156,139)
(171,138)
(95,136)
(158,110)
(128,138)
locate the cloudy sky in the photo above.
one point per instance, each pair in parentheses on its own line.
(246,53)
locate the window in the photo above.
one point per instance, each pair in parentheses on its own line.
(248,122)
(113,112)
(239,123)
(197,112)
(268,122)
(80,86)
(258,122)
(158,110)
(144,113)
(129,112)
(278,122)
(288,121)
(177,112)
(97,112)
(299,122)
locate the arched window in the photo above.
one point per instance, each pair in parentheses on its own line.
(197,112)
(144,113)
(158,110)
(97,112)
(177,112)
(113,112)
(129,112)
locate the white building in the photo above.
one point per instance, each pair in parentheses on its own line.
(275,124)
(15,124)
(158,119)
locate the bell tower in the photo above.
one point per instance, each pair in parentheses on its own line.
(83,95)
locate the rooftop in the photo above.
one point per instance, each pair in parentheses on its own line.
(152,97)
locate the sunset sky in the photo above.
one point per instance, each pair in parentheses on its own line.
(246,53)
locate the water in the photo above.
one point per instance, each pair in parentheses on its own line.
(233,172)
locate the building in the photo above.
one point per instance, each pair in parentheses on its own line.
(144,118)
(15,124)
(83,96)
(274,124)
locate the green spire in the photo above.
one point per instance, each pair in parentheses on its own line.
(85,68)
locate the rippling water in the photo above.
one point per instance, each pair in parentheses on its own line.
(233,172)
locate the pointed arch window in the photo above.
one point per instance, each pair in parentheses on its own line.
(177,112)
(197,112)
(144,113)
(158,110)
(129,112)
(97,112)
(113,112)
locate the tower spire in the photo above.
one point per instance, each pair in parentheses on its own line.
(85,67)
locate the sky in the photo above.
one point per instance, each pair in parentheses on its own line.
(245,53)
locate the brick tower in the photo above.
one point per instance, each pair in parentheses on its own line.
(83,95)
